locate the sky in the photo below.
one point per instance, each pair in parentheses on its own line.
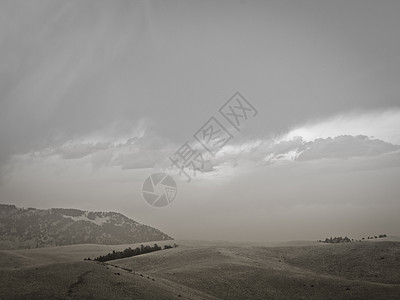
(95,96)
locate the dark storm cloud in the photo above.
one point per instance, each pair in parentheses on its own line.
(70,68)
(62,64)
(133,153)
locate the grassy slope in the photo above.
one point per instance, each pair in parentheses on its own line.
(317,271)
(200,270)
(15,259)
(77,280)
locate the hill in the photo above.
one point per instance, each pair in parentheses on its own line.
(33,228)
(208,270)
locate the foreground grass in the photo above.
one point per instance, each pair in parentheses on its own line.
(79,280)
(367,270)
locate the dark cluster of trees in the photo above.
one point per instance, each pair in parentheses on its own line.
(337,240)
(376,237)
(129,252)
(340,239)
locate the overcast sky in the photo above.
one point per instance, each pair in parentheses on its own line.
(96,95)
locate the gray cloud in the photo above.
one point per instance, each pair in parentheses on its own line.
(344,146)
(77,151)
(151,152)
(297,149)
(132,153)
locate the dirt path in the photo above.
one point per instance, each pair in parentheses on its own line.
(79,281)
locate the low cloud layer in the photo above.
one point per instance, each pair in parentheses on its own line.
(151,152)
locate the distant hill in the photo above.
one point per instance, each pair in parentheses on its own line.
(33,228)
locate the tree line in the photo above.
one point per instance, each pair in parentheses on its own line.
(339,239)
(129,252)
(376,237)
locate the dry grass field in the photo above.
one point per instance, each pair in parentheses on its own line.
(207,270)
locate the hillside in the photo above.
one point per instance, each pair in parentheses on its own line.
(33,228)
(207,270)
(313,271)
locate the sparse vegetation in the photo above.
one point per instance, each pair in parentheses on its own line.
(340,239)
(376,237)
(129,252)
(337,240)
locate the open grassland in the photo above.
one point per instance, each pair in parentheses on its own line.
(207,270)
